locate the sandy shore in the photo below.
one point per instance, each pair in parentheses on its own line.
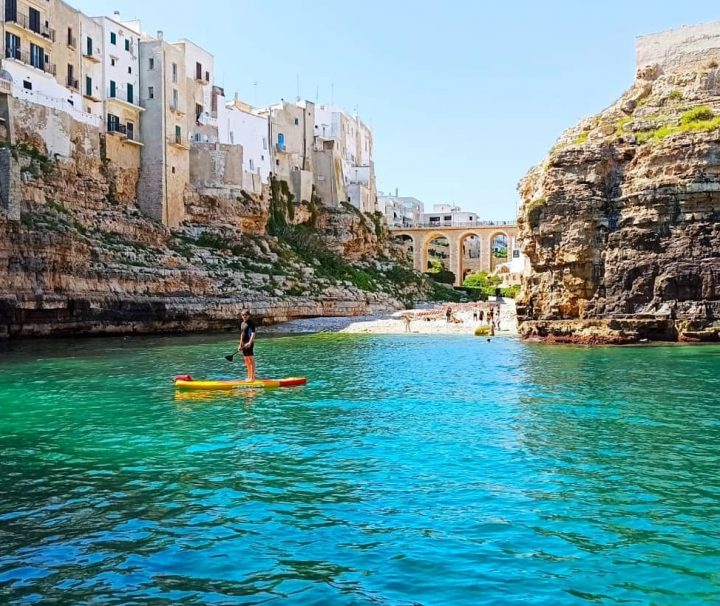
(434,321)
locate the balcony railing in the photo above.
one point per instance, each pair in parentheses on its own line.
(72,42)
(24,57)
(463,224)
(115,128)
(24,22)
(72,83)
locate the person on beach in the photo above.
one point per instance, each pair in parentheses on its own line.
(481,317)
(491,316)
(448,314)
(247,341)
(406,317)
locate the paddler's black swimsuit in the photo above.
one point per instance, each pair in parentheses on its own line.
(247,330)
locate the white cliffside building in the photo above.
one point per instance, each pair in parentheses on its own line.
(239,124)
(401,211)
(448,215)
(339,135)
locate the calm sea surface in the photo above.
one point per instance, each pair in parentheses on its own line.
(410,470)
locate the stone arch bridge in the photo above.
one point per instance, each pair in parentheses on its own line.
(456,236)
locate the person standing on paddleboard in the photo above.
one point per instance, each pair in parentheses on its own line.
(247,340)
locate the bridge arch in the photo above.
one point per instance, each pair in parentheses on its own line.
(496,261)
(468,262)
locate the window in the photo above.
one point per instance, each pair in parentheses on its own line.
(89,47)
(27,85)
(130,94)
(151,92)
(113,125)
(175,99)
(34,20)
(173,170)
(10,10)
(70,39)
(88,86)
(252,164)
(198,71)
(130,130)
(37,56)
(113,38)
(281,142)
(112,62)
(178,135)
(151,63)
(297,121)
(127,44)
(12,46)
(113,88)
(207,77)
(262,157)
(71,76)
(264,143)
(129,70)
(174,73)
(198,111)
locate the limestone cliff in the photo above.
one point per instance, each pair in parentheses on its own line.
(620,221)
(78,257)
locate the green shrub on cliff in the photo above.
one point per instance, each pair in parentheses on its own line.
(697,119)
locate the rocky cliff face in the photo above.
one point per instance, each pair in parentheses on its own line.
(77,256)
(620,221)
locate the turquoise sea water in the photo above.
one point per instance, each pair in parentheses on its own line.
(410,470)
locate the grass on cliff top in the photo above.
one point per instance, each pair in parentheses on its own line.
(697,119)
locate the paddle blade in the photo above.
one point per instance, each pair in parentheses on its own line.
(230,358)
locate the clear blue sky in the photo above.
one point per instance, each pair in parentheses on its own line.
(463,97)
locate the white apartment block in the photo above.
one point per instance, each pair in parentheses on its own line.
(121,76)
(238,124)
(401,211)
(448,215)
(353,144)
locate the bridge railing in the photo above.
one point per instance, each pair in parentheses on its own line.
(458,224)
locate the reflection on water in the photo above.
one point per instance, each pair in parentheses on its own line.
(408,470)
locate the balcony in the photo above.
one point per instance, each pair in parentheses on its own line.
(72,42)
(179,142)
(115,128)
(22,20)
(72,83)
(120,97)
(92,54)
(24,57)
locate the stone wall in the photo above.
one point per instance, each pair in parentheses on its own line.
(677,49)
(216,165)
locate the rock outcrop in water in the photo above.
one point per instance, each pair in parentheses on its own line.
(620,221)
(78,257)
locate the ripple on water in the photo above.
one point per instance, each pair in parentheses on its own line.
(409,470)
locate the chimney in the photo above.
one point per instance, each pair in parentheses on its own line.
(160,34)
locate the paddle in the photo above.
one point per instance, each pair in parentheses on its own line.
(231,356)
